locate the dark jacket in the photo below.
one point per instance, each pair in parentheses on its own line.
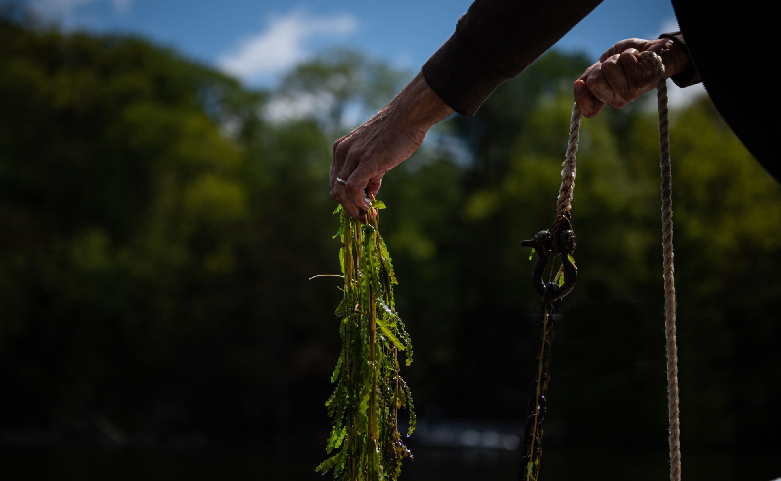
(730,46)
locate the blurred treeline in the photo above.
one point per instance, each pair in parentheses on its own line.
(159,223)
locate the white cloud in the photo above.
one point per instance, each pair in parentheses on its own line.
(678,98)
(60,9)
(298,106)
(667,26)
(282,44)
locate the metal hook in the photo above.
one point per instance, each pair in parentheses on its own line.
(543,245)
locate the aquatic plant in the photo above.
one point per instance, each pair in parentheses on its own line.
(369,390)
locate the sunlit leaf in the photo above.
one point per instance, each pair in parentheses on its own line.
(369,390)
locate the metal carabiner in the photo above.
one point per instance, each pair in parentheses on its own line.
(543,246)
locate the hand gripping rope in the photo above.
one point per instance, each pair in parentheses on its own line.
(560,241)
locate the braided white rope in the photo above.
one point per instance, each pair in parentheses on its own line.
(567,189)
(564,206)
(669,268)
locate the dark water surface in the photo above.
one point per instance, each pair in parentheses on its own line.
(270,464)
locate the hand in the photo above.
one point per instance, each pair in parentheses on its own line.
(362,157)
(620,77)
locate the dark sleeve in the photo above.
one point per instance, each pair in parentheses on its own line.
(689,76)
(494,41)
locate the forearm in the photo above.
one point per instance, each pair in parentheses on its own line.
(417,106)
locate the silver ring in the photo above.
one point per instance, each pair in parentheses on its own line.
(341,181)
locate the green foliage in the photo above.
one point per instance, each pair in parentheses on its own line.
(341,82)
(156,235)
(492,132)
(130,237)
(369,389)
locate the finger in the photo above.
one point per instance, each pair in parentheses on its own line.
(374,184)
(637,43)
(339,194)
(639,74)
(588,71)
(351,161)
(340,149)
(616,86)
(354,185)
(598,86)
(663,47)
(589,106)
(616,49)
(358,183)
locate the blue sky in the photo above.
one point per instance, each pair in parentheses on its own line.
(258,40)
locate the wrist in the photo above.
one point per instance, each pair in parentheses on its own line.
(674,55)
(419,106)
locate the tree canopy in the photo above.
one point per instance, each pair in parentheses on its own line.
(158,231)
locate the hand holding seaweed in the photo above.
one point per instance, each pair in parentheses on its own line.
(369,389)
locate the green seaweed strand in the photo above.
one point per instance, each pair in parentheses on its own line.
(369,391)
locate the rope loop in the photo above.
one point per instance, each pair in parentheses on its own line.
(564,208)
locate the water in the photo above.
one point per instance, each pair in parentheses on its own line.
(278,464)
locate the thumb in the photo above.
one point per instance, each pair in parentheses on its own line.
(589,105)
(664,48)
